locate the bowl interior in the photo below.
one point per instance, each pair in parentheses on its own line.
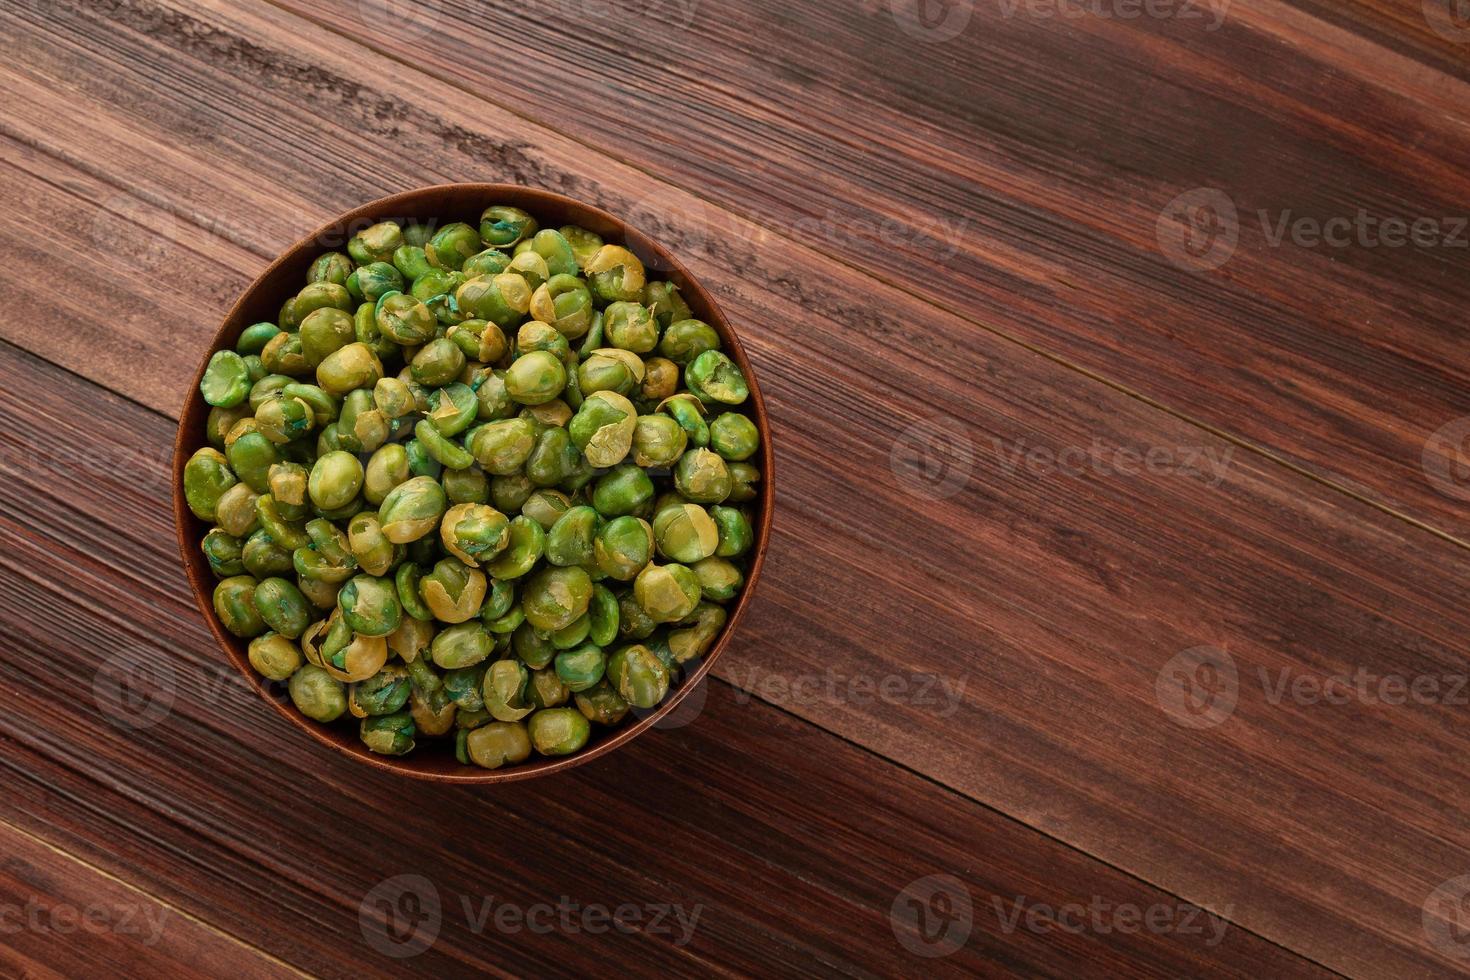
(262,301)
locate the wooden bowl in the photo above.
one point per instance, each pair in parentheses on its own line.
(285,276)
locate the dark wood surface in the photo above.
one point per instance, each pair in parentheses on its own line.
(165,152)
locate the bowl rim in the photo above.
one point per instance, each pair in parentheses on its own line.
(404,204)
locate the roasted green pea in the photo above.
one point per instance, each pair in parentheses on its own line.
(462,645)
(638,675)
(283,354)
(490,262)
(376,243)
(374,281)
(274,657)
(736,536)
(493,745)
(504,690)
(383,693)
(393,398)
(412,509)
(610,369)
(558,731)
(404,319)
(602,704)
(719,578)
(466,486)
(371,547)
(406,582)
(353,366)
(282,606)
(502,447)
(582,667)
(254,338)
(685,533)
(235,510)
(686,340)
(667,593)
(502,299)
(370,605)
(474,533)
(251,456)
(220,421)
(526,546)
(733,436)
(389,734)
(630,326)
(263,557)
(615,273)
(622,490)
(565,302)
(446,451)
(546,507)
(324,332)
(335,480)
(411,262)
(693,641)
(533,647)
(603,428)
(688,411)
(464,686)
(701,476)
(633,622)
(316,694)
(226,380)
(437,363)
(553,459)
(743,480)
(554,597)
(667,305)
(713,378)
(453,591)
(502,226)
(602,616)
(331,267)
(207,476)
(658,441)
(222,550)
(502,597)
(622,547)
(479,340)
(530,267)
(288,534)
(571,540)
(234,604)
(535,378)
(386,469)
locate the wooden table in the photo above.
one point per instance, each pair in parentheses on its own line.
(1114,621)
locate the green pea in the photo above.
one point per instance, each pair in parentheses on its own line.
(254,338)
(375,244)
(602,704)
(226,380)
(462,645)
(263,557)
(501,299)
(719,579)
(316,694)
(274,657)
(685,533)
(526,546)
(222,550)
(234,604)
(406,582)
(571,540)
(335,480)
(688,411)
(466,486)
(536,378)
(490,262)
(282,606)
(502,447)
(667,593)
(734,436)
(504,690)
(702,476)
(658,441)
(325,331)
(558,731)
(686,340)
(353,366)
(622,490)
(502,597)
(474,533)
(533,647)
(554,597)
(547,690)
(603,428)
(464,686)
(713,377)
(451,245)
(615,273)
(207,476)
(502,226)
(546,507)
(493,745)
(565,302)
(694,641)
(411,262)
(444,450)
(389,734)
(288,534)
(638,675)
(453,590)
(374,281)
(383,693)
(610,369)
(437,363)
(630,326)
(736,536)
(667,305)
(386,469)
(622,547)
(553,459)
(371,547)
(412,509)
(452,409)
(404,319)
(602,616)
(370,605)
(509,493)
(582,667)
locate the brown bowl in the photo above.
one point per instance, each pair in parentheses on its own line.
(284,277)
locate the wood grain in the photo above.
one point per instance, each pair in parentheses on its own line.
(1016,173)
(1057,596)
(159,765)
